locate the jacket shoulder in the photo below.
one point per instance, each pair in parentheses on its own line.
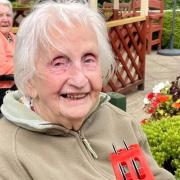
(116,112)
(119,118)
(10,167)
(7,133)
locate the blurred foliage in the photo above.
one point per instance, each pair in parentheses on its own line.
(24,4)
(168,4)
(125,1)
(164,140)
(21,5)
(167,26)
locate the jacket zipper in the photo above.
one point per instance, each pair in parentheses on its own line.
(87,145)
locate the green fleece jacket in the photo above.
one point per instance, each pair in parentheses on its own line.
(32,148)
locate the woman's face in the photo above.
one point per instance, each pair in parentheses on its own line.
(6,19)
(66,86)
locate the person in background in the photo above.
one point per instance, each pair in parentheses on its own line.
(59,125)
(7,45)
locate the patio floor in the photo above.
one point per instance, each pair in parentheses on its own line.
(158,69)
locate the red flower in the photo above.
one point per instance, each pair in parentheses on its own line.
(155,104)
(150,95)
(151,110)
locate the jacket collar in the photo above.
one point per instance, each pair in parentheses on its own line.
(24,117)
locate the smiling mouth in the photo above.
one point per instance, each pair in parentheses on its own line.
(74,96)
(4,25)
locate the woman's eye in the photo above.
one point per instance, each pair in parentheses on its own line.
(59,62)
(89,59)
(90,62)
(9,15)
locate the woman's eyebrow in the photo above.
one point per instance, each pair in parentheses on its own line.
(89,54)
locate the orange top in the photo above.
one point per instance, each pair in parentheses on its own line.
(6,59)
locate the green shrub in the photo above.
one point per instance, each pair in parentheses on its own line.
(168,4)
(167,26)
(164,140)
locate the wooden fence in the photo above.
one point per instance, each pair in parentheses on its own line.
(128,40)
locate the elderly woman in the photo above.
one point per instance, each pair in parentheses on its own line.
(7,45)
(58,125)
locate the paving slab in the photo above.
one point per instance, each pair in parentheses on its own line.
(158,69)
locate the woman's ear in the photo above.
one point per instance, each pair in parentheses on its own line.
(31,89)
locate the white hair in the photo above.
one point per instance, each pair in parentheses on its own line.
(33,36)
(6,3)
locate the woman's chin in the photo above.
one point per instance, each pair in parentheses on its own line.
(77,109)
(76,114)
(4,30)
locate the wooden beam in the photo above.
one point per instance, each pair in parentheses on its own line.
(116,4)
(125,21)
(93,4)
(144,7)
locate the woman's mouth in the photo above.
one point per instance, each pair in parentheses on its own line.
(5,25)
(74,96)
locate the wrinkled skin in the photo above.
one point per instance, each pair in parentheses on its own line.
(66,86)
(6,19)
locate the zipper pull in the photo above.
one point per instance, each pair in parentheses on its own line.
(88,146)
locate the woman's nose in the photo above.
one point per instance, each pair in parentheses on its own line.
(77,77)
